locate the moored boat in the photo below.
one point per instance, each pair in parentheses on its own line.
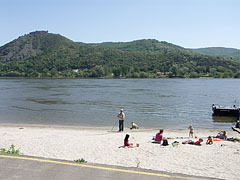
(232,111)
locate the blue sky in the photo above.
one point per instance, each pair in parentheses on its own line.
(188,23)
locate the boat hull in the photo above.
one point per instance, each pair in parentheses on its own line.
(226,111)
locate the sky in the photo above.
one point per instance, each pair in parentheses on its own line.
(187,23)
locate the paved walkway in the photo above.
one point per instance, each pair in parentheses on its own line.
(33,168)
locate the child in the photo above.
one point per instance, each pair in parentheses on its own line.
(126,143)
(133,126)
(193,143)
(198,142)
(190,131)
(209,140)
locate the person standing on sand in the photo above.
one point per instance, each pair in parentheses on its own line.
(190,131)
(121,117)
(237,124)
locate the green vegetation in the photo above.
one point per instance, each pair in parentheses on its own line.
(11,150)
(52,55)
(80,160)
(229,53)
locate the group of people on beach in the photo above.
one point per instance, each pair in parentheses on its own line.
(158,138)
(221,135)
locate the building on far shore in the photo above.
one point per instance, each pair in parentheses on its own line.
(75,70)
(38,32)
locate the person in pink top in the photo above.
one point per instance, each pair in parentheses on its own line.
(126,142)
(158,137)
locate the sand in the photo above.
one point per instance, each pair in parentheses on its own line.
(101,145)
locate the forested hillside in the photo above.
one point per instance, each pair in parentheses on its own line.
(42,54)
(144,45)
(230,53)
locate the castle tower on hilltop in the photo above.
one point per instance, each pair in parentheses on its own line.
(38,32)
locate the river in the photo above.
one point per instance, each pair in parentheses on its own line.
(151,103)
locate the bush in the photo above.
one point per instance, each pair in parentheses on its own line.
(80,160)
(11,150)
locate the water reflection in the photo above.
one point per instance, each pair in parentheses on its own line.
(45,101)
(60,94)
(224,119)
(24,108)
(21,108)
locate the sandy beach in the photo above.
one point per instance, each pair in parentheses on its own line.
(101,145)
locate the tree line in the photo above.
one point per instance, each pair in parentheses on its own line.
(59,57)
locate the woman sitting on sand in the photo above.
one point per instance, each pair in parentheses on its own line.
(126,143)
(158,137)
(221,135)
(194,143)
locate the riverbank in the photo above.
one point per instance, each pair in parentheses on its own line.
(101,145)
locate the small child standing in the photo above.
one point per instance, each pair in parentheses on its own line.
(190,131)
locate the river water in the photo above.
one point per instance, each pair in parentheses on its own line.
(151,103)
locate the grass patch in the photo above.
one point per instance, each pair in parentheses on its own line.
(80,160)
(11,150)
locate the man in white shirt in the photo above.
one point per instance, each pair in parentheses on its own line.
(121,117)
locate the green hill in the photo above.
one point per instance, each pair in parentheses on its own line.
(35,44)
(143,45)
(43,54)
(220,52)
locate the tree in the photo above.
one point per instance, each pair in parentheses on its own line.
(143,75)
(174,70)
(117,72)
(237,74)
(194,75)
(54,72)
(45,72)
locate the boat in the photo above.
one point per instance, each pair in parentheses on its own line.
(231,111)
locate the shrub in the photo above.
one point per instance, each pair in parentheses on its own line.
(80,160)
(11,150)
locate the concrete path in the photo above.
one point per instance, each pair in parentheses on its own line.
(33,168)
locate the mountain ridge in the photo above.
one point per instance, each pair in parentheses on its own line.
(43,54)
(224,52)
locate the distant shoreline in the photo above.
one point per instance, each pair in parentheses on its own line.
(104,128)
(6,77)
